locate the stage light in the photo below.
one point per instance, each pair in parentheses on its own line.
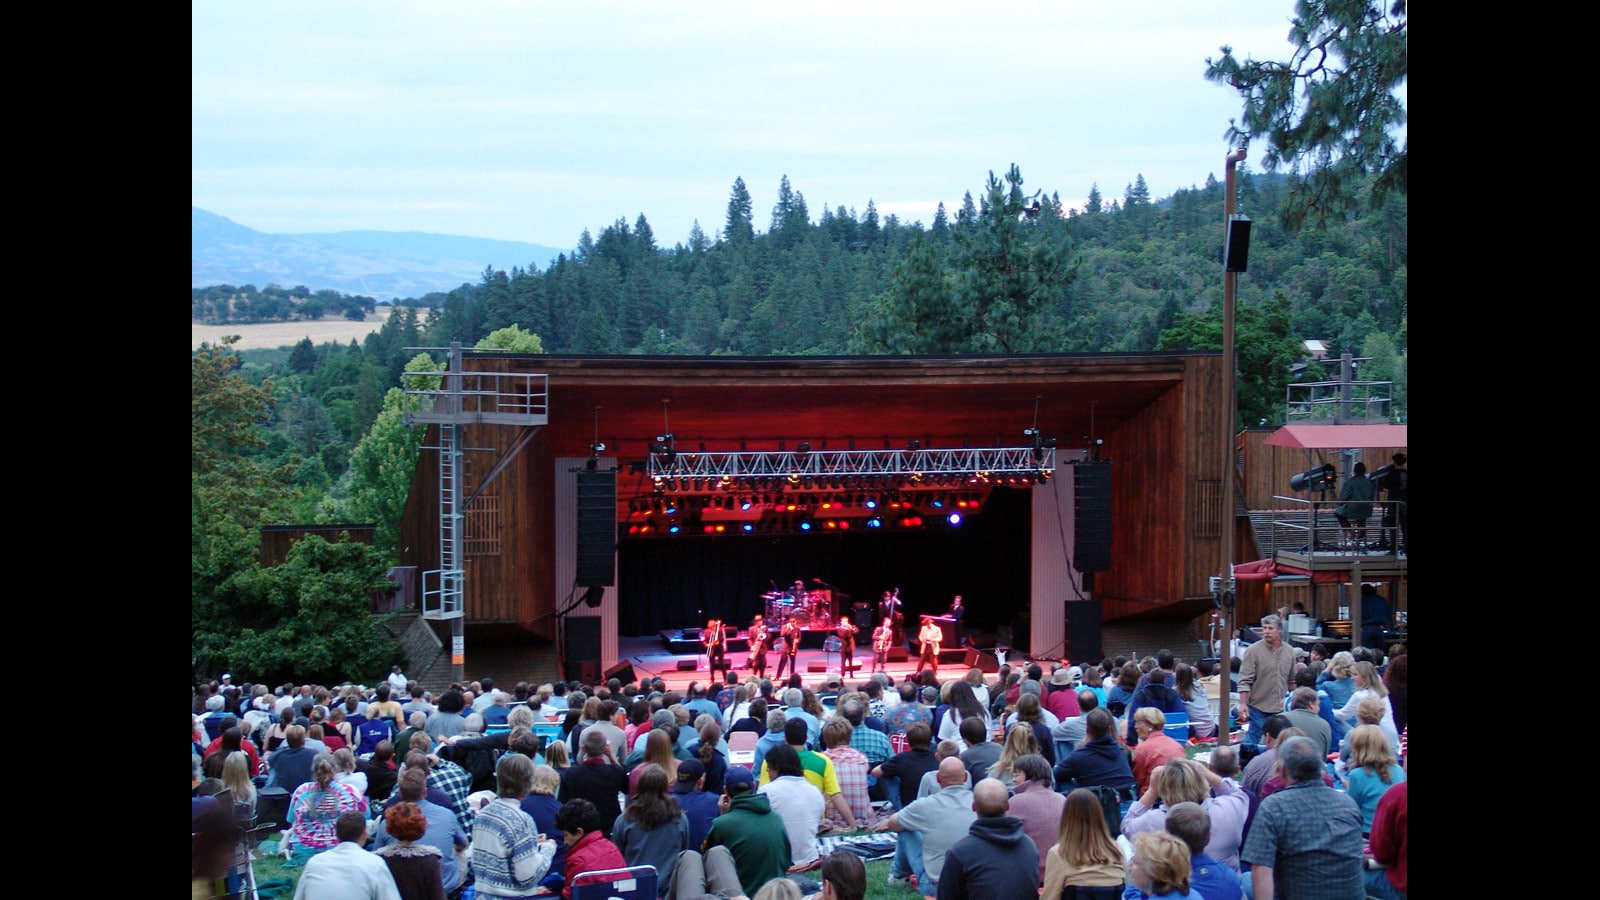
(672,508)
(874,522)
(844,524)
(673,528)
(1321,478)
(748,527)
(954,518)
(938,502)
(872,503)
(805,525)
(745,505)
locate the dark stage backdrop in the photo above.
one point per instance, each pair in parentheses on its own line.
(669,583)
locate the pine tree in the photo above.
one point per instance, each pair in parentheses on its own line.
(740,227)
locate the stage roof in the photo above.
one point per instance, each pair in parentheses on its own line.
(1338,437)
(734,403)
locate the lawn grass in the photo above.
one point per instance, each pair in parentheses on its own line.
(878,887)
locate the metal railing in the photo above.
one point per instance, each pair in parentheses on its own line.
(1316,523)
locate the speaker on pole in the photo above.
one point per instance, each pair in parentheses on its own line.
(1083,630)
(1091,494)
(597,527)
(1236,244)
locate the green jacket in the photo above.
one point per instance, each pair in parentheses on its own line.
(755,835)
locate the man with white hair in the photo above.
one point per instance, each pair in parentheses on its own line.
(792,698)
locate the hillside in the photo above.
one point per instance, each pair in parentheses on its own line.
(378,264)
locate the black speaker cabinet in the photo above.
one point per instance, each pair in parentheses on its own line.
(581,639)
(1236,244)
(985,662)
(622,671)
(1091,492)
(688,665)
(1083,630)
(597,528)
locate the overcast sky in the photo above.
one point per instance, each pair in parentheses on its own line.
(531,121)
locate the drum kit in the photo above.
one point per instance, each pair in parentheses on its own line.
(814,608)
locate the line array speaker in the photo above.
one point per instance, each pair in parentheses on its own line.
(597,528)
(1091,541)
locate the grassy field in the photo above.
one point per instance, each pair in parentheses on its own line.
(270,335)
(878,887)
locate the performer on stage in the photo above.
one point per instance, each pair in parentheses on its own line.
(889,611)
(881,640)
(847,647)
(956,612)
(758,646)
(789,645)
(715,640)
(930,636)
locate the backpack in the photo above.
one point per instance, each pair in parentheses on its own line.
(1111,805)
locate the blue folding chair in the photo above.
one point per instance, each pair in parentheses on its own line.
(1177,726)
(631,883)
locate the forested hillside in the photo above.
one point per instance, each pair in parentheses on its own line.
(316,433)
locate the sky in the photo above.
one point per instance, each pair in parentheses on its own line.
(532,121)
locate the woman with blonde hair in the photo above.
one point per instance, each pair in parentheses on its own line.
(1364,675)
(555,755)
(1019,742)
(658,750)
(1154,747)
(344,772)
(1186,781)
(1160,866)
(315,806)
(236,777)
(1373,770)
(1335,680)
(1084,862)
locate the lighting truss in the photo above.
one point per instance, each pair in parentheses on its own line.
(812,470)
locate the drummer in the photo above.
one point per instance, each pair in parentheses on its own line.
(797,591)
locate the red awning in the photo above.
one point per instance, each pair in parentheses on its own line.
(1259,570)
(1338,437)
(1268,569)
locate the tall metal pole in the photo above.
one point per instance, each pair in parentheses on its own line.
(1229,403)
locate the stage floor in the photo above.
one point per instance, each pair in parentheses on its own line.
(649,659)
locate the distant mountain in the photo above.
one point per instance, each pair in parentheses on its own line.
(384,265)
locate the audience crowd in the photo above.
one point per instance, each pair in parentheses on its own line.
(1070,780)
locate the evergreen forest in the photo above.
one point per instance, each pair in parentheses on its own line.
(314,433)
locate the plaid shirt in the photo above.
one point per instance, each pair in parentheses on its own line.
(872,743)
(457,783)
(850,766)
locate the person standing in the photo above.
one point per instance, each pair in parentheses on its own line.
(1355,507)
(958,613)
(1264,677)
(759,637)
(716,645)
(789,645)
(929,636)
(1394,484)
(881,639)
(847,647)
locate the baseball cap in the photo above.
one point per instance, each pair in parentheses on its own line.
(1075,673)
(689,772)
(737,775)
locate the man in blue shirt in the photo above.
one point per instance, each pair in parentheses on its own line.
(443,832)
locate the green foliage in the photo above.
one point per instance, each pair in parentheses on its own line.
(1263,344)
(512,339)
(1331,110)
(304,619)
